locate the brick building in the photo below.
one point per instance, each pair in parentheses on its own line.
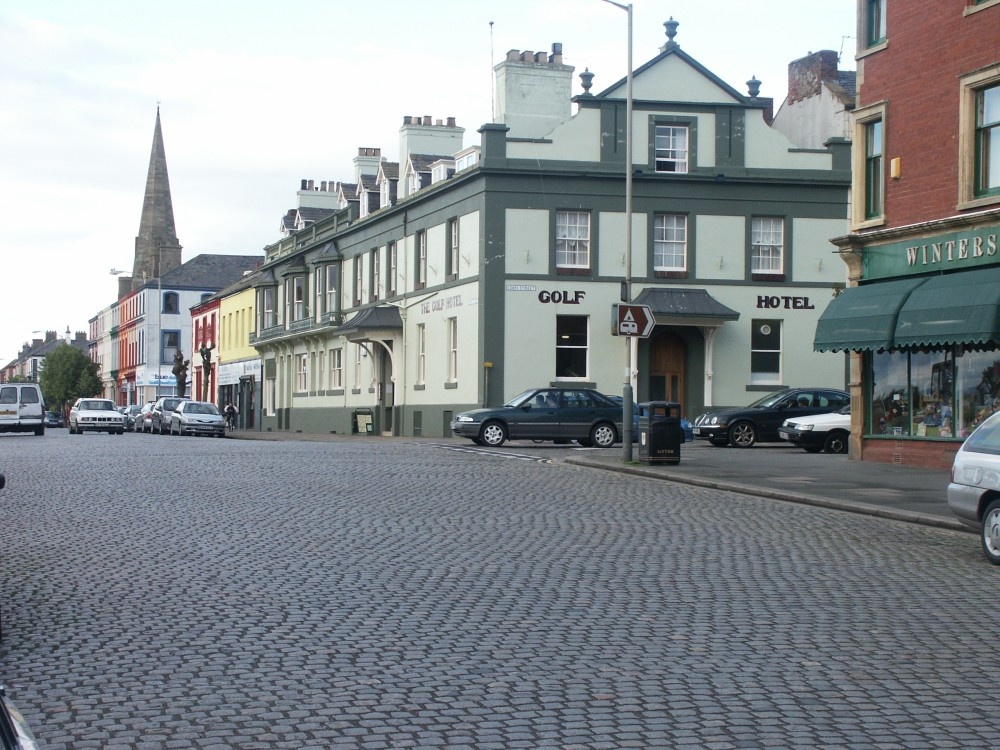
(922,314)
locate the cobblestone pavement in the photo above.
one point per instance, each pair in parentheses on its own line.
(195,593)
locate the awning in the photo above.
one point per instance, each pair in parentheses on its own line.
(372,322)
(685,307)
(954,308)
(863,317)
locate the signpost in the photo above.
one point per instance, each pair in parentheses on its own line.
(633,320)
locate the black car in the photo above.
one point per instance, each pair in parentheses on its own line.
(743,426)
(560,414)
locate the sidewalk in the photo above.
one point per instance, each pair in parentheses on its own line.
(773,470)
(783,472)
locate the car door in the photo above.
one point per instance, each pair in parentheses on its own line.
(578,414)
(538,417)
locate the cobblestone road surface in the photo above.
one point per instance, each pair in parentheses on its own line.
(194,593)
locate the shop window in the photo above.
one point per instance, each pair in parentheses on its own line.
(670,148)
(572,241)
(767,244)
(765,352)
(571,346)
(670,242)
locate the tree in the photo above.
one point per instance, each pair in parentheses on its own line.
(66,375)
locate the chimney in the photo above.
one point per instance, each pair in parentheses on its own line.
(806,74)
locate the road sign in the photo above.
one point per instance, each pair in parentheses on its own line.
(633,320)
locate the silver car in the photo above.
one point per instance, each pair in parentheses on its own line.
(974,491)
(197,418)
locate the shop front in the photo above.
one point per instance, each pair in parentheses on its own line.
(922,326)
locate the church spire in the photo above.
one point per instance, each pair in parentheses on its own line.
(157,249)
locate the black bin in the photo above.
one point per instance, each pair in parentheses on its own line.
(660,432)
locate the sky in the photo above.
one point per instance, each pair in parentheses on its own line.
(255,97)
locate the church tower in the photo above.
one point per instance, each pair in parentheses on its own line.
(157,249)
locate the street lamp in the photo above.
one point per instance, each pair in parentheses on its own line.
(627,287)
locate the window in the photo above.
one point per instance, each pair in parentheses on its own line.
(868,166)
(453,254)
(376,281)
(266,304)
(766,245)
(295,298)
(571,346)
(670,242)
(452,350)
(765,352)
(171,304)
(393,262)
(988,141)
(572,240)
(359,278)
(421,257)
(319,284)
(169,343)
(421,354)
(670,148)
(874,22)
(302,382)
(336,369)
(874,177)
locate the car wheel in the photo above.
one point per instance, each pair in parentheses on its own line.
(743,435)
(493,434)
(719,442)
(812,448)
(836,442)
(603,435)
(990,534)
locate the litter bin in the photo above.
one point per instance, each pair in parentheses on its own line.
(660,432)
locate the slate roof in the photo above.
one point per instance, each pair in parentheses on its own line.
(208,272)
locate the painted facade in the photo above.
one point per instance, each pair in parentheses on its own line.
(922,316)
(502,275)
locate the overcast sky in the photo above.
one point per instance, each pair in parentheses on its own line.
(255,97)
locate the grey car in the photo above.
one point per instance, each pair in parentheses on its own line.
(974,490)
(559,414)
(197,418)
(160,413)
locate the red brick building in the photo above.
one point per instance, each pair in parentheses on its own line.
(921,316)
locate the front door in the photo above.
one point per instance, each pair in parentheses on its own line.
(667,361)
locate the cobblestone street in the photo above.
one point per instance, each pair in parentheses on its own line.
(195,593)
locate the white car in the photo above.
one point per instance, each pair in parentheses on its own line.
(96,415)
(974,491)
(819,432)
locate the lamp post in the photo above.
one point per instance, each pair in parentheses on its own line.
(627,286)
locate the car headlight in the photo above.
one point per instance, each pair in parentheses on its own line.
(464,418)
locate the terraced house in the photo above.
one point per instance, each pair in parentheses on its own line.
(462,275)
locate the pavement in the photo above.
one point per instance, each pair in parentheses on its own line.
(774,470)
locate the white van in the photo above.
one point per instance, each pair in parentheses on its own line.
(22,408)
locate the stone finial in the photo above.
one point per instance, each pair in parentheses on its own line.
(753,87)
(586,80)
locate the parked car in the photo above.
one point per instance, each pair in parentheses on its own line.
(22,408)
(130,413)
(974,490)
(144,419)
(14,731)
(744,426)
(95,415)
(197,418)
(54,419)
(820,432)
(560,414)
(160,413)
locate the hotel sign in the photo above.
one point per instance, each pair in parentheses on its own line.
(948,251)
